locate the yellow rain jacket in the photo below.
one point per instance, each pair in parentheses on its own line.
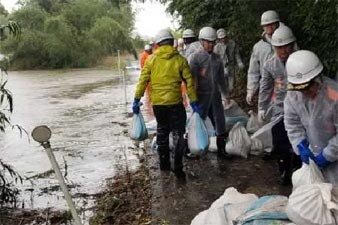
(165,70)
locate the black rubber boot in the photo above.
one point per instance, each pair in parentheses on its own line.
(180,175)
(220,142)
(164,157)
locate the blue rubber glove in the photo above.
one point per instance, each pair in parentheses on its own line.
(321,161)
(196,107)
(304,151)
(136,106)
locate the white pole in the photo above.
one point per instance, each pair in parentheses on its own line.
(64,188)
(125,87)
(118,62)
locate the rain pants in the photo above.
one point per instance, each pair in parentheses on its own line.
(230,56)
(211,82)
(165,70)
(317,121)
(262,51)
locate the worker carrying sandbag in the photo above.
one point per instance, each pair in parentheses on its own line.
(207,68)
(164,71)
(311,113)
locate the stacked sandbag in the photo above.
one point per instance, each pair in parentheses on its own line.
(312,202)
(265,211)
(216,215)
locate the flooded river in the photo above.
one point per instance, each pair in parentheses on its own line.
(87,114)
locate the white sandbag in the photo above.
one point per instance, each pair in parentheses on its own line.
(215,214)
(233,211)
(212,144)
(264,134)
(257,147)
(210,127)
(265,211)
(312,205)
(198,139)
(253,125)
(239,142)
(138,130)
(200,218)
(307,174)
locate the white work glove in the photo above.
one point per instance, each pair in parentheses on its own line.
(241,66)
(249,97)
(261,116)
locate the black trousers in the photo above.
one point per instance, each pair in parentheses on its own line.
(170,118)
(287,159)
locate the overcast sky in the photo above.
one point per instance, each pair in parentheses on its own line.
(150,17)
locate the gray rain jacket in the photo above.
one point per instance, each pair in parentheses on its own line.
(208,70)
(262,51)
(229,53)
(273,86)
(191,49)
(317,121)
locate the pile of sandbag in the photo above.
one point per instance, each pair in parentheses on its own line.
(312,201)
(244,209)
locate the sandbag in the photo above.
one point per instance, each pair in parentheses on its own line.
(212,144)
(215,215)
(198,138)
(239,142)
(307,174)
(257,147)
(253,125)
(265,211)
(233,114)
(264,134)
(138,130)
(312,205)
(210,127)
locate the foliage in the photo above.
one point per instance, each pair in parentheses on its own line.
(8,191)
(314,22)
(69,33)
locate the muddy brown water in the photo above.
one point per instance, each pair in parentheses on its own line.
(86,111)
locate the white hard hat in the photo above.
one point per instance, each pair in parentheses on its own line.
(147,47)
(207,33)
(162,35)
(221,33)
(301,67)
(269,17)
(282,36)
(188,33)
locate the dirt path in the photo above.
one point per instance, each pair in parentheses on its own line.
(178,203)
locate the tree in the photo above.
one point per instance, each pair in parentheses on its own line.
(8,192)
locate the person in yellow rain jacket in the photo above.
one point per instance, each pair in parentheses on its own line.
(164,71)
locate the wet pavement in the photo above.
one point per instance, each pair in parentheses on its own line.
(177,203)
(86,111)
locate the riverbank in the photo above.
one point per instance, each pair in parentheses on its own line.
(149,196)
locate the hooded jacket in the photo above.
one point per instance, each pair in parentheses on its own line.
(165,70)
